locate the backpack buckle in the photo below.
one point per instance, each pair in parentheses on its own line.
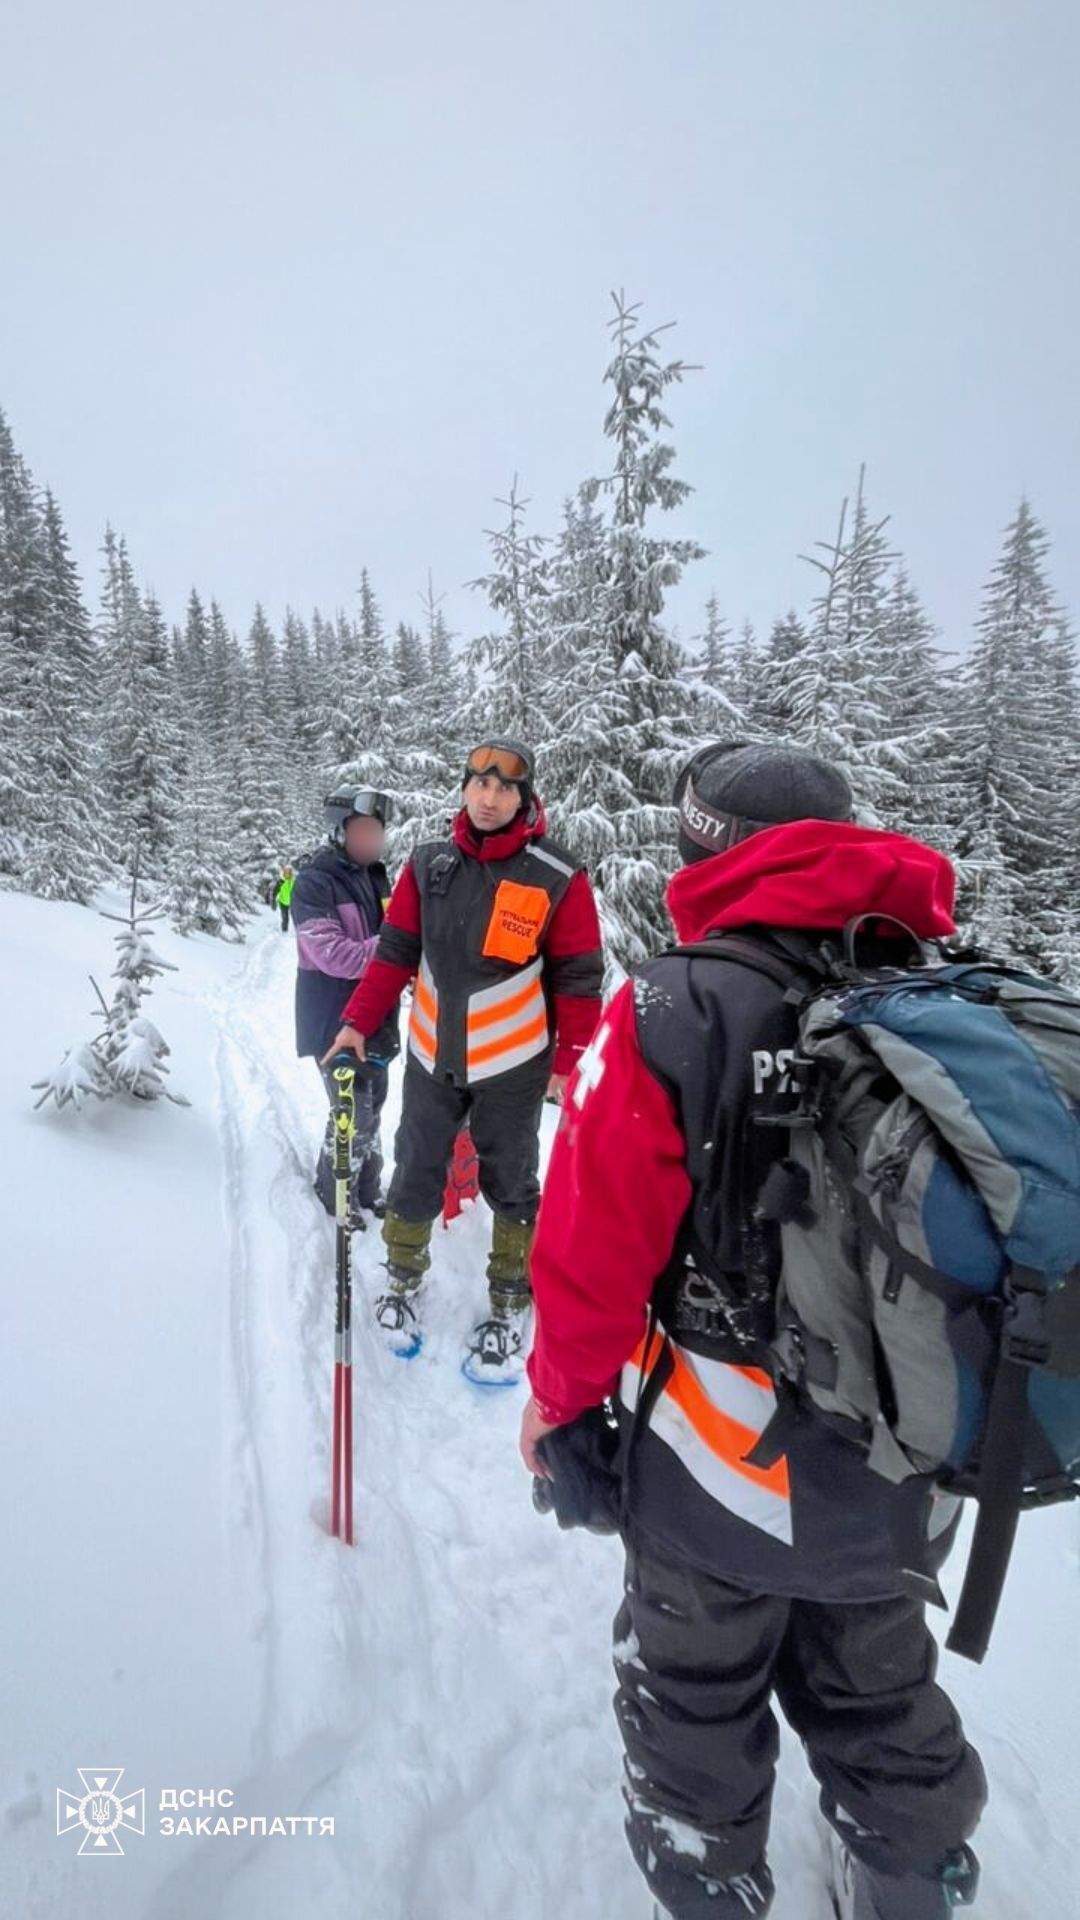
(1024,1337)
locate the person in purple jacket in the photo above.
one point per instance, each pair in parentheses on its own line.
(338,903)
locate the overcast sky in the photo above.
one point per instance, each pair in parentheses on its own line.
(288,288)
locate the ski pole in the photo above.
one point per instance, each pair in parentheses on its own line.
(343,1069)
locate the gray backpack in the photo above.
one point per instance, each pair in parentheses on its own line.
(929,1214)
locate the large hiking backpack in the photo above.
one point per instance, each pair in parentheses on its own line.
(929,1214)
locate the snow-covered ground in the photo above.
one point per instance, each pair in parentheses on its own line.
(171,1604)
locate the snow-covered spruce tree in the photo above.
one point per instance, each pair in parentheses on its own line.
(714,645)
(1058,908)
(14,766)
(324,647)
(746,688)
(923,691)
(409,661)
(1019,754)
(23,629)
(384,731)
(509,662)
(141,748)
(130,1047)
(786,641)
(583,698)
(837,687)
(302,704)
(265,684)
(62,855)
(208,888)
(192,659)
(260,813)
(623,704)
(263,835)
(446,716)
(224,680)
(370,625)
(128,1055)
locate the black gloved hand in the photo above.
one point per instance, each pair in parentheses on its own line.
(585,1488)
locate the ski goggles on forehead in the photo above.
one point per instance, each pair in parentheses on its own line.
(372,805)
(500,760)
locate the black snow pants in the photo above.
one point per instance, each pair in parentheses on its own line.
(698,1661)
(504,1119)
(370,1089)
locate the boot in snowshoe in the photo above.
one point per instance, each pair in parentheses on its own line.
(396,1315)
(498,1346)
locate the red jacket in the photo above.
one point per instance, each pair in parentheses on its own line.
(574,929)
(617,1187)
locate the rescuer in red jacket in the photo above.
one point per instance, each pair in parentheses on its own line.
(497,927)
(742,1580)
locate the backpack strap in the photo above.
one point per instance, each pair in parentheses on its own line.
(771,958)
(650,1386)
(1001,1469)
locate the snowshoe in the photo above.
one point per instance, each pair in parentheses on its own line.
(396,1316)
(496,1353)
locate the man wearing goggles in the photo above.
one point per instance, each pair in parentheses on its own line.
(338,902)
(497,928)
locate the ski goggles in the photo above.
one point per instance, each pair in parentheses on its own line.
(500,760)
(366,801)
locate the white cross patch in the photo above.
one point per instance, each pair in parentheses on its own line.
(591,1066)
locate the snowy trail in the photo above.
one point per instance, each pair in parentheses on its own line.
(405,1686)
(442,1690)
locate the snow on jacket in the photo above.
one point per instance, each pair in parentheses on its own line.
(501,933)
(654,1172)
(337,911)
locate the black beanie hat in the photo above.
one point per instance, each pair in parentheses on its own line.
(733,789)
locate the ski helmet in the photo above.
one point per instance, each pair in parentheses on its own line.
(736,788)
(348,803)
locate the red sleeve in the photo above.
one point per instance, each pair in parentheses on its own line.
(575,966)
(394,962)
(576,1020)
(615,1194)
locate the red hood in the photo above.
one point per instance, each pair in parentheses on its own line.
(499,846)
(815,873)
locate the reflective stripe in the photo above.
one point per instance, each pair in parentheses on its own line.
(502,1026)
(424,1019)
(426,999)
(560,866)
(517,1004)
(504,990)
(506,1024)
(712,1414)
(516,1058)
(519,1036)
(421,1044)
